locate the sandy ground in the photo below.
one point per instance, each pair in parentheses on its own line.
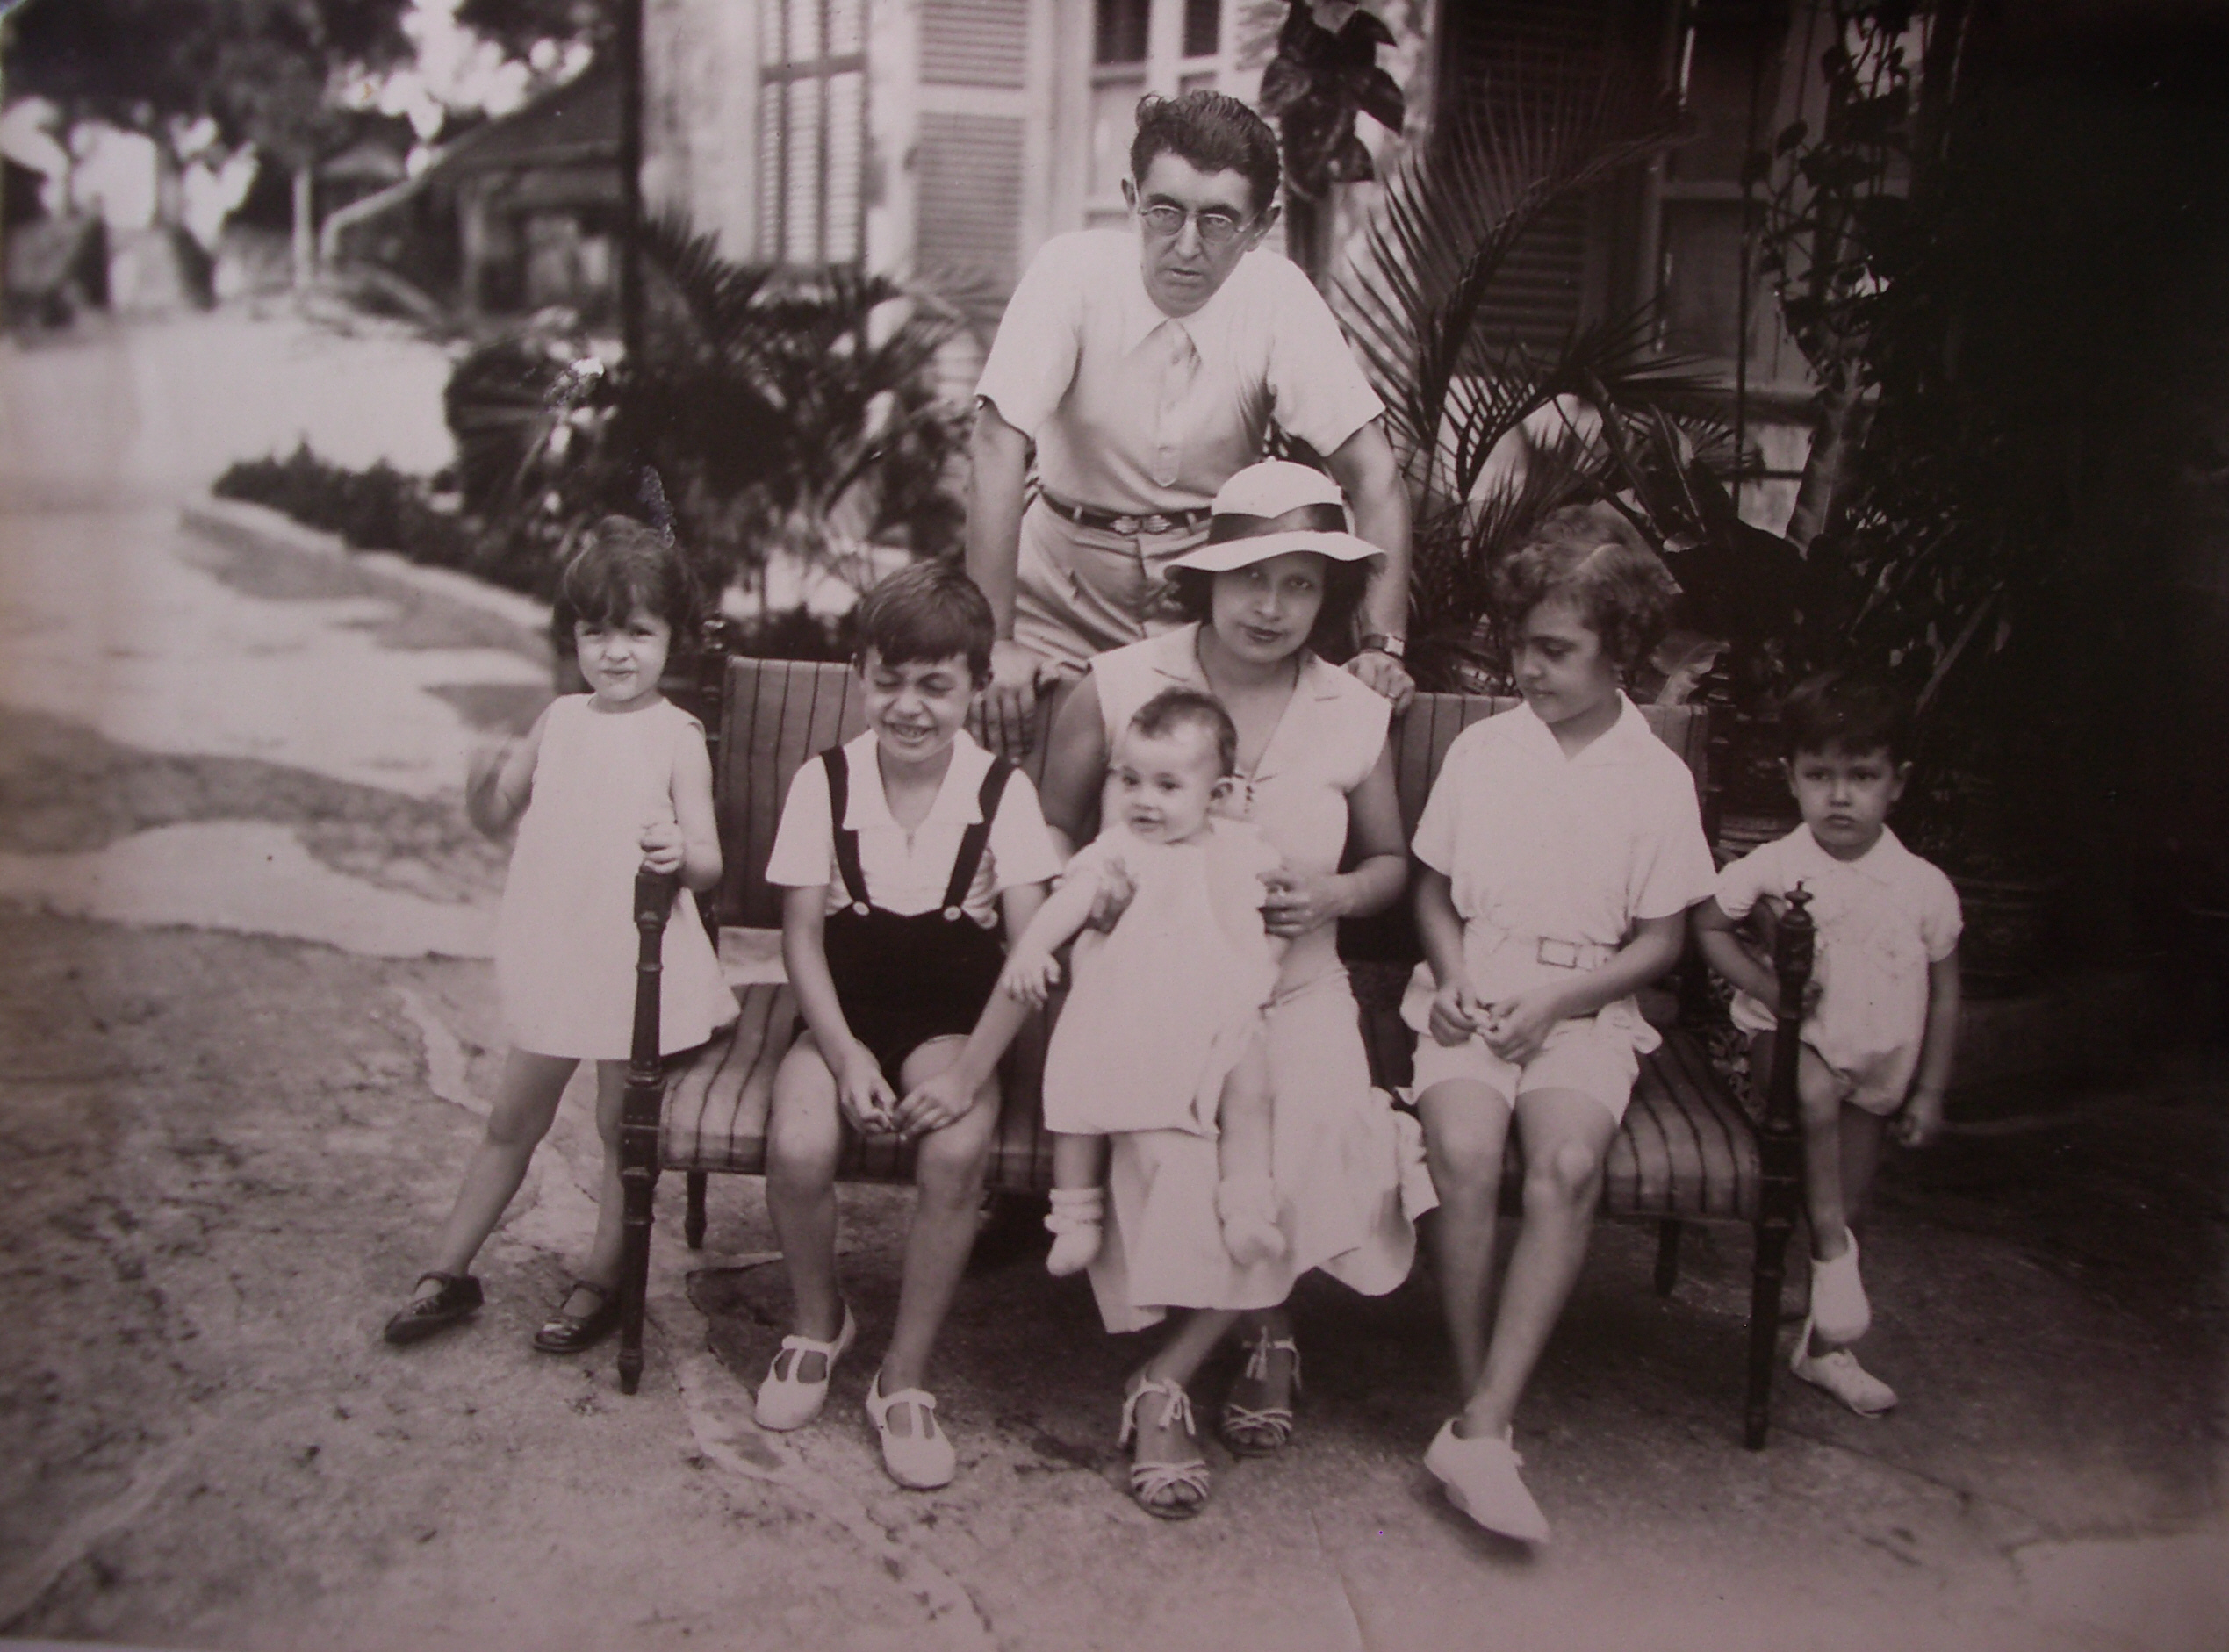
(244,1035)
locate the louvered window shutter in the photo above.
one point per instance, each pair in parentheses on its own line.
(969,164)
(1504,48)
(812,131)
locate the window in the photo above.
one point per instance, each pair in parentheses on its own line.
(812,131)
(1139,46)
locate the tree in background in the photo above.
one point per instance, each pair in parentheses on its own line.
(265,73)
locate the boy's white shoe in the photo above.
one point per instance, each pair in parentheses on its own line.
(921,1460)
(1839,1311)
(784,1401)
(1839,1372)
(1480,1474)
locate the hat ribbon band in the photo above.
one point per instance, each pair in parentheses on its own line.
(1321,518)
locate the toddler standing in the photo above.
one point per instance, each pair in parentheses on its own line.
(1162,1030)
(604,782)
(1880,1018)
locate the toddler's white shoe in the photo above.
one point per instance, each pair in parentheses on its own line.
(1480,1474)
(1077,1224)
(1839,1311)
(785,1401)
(924,1459)
(1248,1207)
(1839,1372)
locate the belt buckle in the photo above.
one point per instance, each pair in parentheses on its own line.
(1156,524)
(1556,954)
(1123,525)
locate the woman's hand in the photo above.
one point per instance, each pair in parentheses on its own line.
(1457,1014)
(1029,974)
(1386,674)
(942,1098)
(1116,893)
(864,1094)
(661,844)
(1299,901)
(1516,1028)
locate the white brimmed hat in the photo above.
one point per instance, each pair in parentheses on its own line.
(1270,508)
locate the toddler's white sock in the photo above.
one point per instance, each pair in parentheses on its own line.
(1076,1222)
(1248,1205)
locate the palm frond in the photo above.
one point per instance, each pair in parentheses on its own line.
(1451,216)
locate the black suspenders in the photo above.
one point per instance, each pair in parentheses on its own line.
(972,842)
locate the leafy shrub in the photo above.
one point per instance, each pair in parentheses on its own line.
(379,509)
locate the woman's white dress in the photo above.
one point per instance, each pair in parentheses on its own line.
(565,941)
(1348,1169)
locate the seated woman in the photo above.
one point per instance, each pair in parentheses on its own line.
(1314,773)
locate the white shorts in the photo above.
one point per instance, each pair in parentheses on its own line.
(1578,1055)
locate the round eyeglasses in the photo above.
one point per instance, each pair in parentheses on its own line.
(1217,229)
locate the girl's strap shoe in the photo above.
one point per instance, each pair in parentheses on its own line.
(784,1401)
(922,1459)
(1258,1432)
(458,1298)
(1171,1491)
(563,1333)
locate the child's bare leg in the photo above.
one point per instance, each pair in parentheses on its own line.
(1566,1134)
(949,1174)
(1862,1133)
(1466,1128)
(526,1102)
(1818,1094)
(1079,1202)
(804,1136)
(605,1250)
(1245,1198)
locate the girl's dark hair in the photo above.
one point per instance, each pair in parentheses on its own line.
(1192,593)
(620,565)
(1213,131)
(1853,710)
(1182,707)
(927,611)
(1592,558)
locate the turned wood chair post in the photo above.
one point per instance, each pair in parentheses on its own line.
(1780,1154)
(639,1119)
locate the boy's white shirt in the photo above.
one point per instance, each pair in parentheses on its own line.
(906,873)
(1883,918)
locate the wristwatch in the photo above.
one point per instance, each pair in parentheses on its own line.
(1392,646)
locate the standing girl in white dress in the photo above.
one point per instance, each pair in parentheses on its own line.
(608,781)
(1162,1030)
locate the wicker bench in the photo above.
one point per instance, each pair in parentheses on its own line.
(1686,1150)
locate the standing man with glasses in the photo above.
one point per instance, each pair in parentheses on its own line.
(1148,369)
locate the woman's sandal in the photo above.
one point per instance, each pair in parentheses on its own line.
(1261,1432)
(563,1333)
(1168,1491)
(458,1298)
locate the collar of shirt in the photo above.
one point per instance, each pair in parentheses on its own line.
(958,801)
(1179,662)
(1878,864)
(1620,743)
(1209,327)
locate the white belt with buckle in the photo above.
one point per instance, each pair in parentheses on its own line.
(1549,950)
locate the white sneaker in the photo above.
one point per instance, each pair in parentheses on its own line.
(784,1401)
(1480,1474)
(1838,1306)
(1839,1372)
(922,1459)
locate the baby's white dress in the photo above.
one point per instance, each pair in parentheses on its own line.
(1161,1008)
(566,940)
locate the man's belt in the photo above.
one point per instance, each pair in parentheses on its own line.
(1113,523)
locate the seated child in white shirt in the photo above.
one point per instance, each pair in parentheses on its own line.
(1880,1018)
(1161,1029)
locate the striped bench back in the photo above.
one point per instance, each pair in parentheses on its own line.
(778,713)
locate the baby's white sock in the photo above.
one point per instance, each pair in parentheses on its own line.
(1248,1205)
(1077,1220)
